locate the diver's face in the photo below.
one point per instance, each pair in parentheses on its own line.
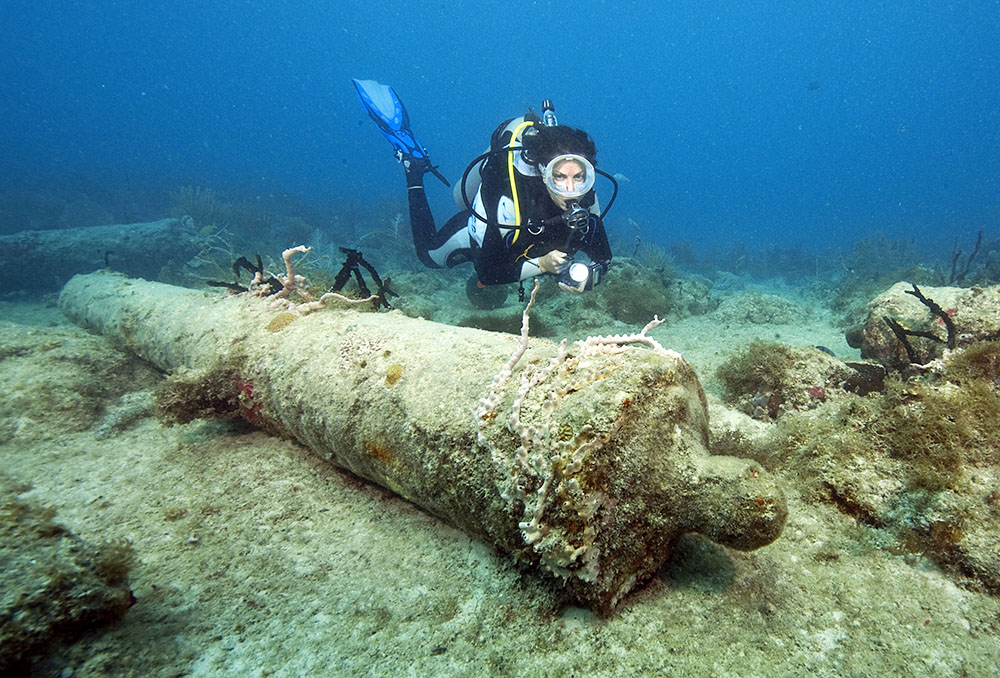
(568,176)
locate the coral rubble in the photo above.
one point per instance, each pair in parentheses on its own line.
(55,585)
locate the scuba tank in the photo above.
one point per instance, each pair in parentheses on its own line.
(549,114)
(502,141)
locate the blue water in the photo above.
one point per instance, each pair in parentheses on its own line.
(757,122)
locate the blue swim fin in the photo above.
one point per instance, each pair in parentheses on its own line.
(389,114)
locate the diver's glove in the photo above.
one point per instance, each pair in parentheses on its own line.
(553,262)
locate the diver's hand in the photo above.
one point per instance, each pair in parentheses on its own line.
(552,262)
(577,289)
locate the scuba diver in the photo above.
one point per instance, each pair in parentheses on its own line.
(528,205)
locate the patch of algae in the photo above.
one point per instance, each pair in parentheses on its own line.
(281,321)
(393,374)
(920,461)
(55,585)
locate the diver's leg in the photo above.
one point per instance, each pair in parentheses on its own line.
(421,219)
(452,245)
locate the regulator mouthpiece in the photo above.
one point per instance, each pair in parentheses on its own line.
(576,217)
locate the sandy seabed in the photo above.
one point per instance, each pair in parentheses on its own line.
(254,558)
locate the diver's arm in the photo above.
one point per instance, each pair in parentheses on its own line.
(550,263)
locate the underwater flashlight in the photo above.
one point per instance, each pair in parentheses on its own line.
(579,276)
(578,272)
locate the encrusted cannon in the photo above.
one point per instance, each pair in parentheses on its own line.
(587,460)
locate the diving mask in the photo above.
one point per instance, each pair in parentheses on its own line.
(569,175)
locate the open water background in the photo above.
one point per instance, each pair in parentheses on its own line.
(758,122)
